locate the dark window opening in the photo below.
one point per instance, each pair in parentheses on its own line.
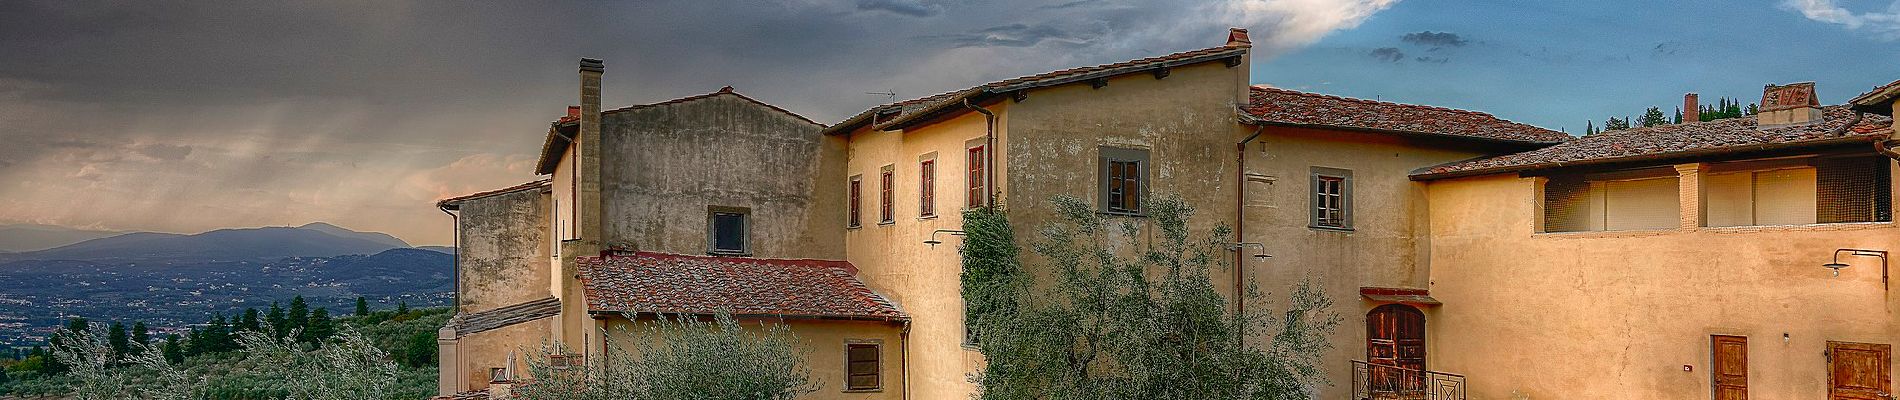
(728,232)
(861,366)
(1331,198)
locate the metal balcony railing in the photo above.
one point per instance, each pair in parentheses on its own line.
(1386,382)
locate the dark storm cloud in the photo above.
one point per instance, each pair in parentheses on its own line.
(196,115)
(912,8)
(1016,35)
(1434,39)
(1387,54)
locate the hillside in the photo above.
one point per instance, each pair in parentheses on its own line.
(29,237)
(314,240)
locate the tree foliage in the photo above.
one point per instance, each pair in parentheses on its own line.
(1128,317)
(683,358)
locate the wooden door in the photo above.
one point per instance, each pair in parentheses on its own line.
(1729,367)
(1859,371)
(1395,337)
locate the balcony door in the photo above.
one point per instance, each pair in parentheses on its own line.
(1395,337)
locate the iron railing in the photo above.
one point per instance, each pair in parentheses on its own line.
(1386,382)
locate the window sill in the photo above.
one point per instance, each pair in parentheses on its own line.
(1122,214)
(970,347)
(729,254)
(887,223)
(925,217)
(853,227)
(1330,228)
(873,390)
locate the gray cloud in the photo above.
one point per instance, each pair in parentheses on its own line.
(1434,39)
(1387,54)
(191,116)
(1432,60)
(912,8)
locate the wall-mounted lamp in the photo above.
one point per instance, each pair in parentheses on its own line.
(933,242)
(1837,265)
(1261,256)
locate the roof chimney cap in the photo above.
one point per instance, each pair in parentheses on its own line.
(726,89)
(1237,37)
(1790,104)
(593,65)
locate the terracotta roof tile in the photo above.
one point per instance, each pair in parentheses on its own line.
(908,107)
(1700,138)
(1291,107)
(478,322)
(670,283)
(1879,95)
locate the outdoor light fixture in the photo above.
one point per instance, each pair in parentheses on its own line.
(1261,256)
(1837,265)
(933,242)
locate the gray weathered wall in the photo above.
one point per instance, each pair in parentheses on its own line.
(667,164)
(504,250)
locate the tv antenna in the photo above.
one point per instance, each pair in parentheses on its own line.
(890,93)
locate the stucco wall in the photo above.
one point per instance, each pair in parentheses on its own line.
(893,259)
(491,349)
(825,342)
(1619,314)
(664,165)
(504,250)
(1384,246)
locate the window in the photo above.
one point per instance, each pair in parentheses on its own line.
(728,230)
(977,161)
(1639,199)
(884,197)
(926,194)
(497,375)
(1122,183)
(1796,192)
(857,186)
(862,366)
(1331,198)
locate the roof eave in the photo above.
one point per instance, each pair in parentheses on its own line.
(1876,101)
(831,317)
(950,105)
(935,111)
(1252,120)
(1426,176)
(552,149)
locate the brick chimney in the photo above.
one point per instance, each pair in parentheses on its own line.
(1691,112)
(1790,104)
(1237,37)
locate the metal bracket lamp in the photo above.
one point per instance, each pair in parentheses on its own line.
(933,242)
(1837,265)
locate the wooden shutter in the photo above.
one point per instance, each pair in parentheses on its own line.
(976,179)
(862,367)
(927,183)
(857,185)
(1859,371)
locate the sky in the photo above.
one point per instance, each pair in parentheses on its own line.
(191,116)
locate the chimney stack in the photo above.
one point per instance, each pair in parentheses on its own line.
(1691,112)
(1790,104)
(1237,37)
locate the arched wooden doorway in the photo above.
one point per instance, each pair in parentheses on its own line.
(1395,337)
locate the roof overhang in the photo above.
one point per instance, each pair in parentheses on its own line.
(1419,297)
(1657,158)
(1877,101)
(560,136)
(1250,119)
(455,203)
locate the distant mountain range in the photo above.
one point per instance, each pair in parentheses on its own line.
(171,280)
(16,238)
(312,240)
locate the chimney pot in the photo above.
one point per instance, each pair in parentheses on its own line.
(1691,111)
(574,112)
(593,65)
(1790,104)
(1237,37)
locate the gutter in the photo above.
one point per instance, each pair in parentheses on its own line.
(1240,225)
(1651,157)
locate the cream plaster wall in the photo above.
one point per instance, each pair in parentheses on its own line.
(1621,314)
(825,342)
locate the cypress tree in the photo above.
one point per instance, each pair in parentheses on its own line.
(362,306)
(141,336)
(320,327)
(249,322)
(299,314)
(116,336)
(217,336)
(402,307)
(173,352)
(278,323)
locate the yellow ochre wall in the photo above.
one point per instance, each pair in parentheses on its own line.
(1385,247)
(824,341)
(1620,314)
(893,259)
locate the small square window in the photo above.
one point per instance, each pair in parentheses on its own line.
(728,233)
(862,367)
(1123,180)
(1331,198)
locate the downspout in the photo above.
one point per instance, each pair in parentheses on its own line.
(903,355)
(989,151)
(1240,225)
(455,260)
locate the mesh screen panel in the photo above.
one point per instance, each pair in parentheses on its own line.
(1853,190)
(1567,204)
